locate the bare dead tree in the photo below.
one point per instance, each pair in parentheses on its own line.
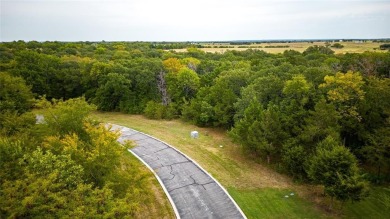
(191,66)
(162,87)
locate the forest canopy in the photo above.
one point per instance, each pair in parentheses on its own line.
(302,111)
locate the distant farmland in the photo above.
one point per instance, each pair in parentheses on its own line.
(349,47)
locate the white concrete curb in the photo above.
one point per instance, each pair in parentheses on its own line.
(161,183)
(196,164)
(151,169)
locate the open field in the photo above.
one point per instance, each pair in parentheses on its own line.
(349,47)
(257,189)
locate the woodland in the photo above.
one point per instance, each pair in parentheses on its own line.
(321,118)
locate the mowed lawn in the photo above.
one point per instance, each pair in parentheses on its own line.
(273,203)
(259,191)
(375,206)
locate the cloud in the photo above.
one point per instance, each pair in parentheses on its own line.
(181,20)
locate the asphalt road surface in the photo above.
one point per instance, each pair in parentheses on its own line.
(192,192)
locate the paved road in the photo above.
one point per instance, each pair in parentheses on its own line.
(191,190)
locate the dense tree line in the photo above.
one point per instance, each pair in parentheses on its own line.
(65,166)
(317,115)
(384,46)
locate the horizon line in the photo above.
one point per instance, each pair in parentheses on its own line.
(201,41)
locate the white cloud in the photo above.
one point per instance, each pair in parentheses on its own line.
(192,20)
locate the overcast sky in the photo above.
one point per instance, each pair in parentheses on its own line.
(192,20)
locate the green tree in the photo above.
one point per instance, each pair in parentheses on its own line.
(145,75)
(68,173)
(97,152)
(335,167)
(294,158)
(377,151)
(240,131)
(65,117)
(223,95)
(321,123)
(154,110)
(191,63)
(374,108)
(260,131)
(67,83)
(200,111)
(345,91)
(183,85)
(15,96)
(296,92)
(93,77)
(266,134)
(10,154)
(38,70)
(337,45)
(264,89)
(113,93)
(172,65)
(318,49)
(45,196)
(297,89)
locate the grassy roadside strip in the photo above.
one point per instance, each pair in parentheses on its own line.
(246,180)
(159,206)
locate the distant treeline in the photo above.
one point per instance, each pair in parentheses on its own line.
(384,46)
(278,46)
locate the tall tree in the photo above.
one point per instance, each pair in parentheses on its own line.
(335,167)
(182,85)
(321,123)
(172,65)
(260,131)
(346,92)
(15,95)
(114,92)
(377,150)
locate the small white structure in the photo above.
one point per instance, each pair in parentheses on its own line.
(194,134)
(39,119)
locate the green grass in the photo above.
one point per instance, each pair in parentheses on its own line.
(272,203)
(257,189)
(244,177)
(375,206)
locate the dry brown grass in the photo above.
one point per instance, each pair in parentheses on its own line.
(227,163)
(157,204)
(160,207)
(231,167)
(349,47)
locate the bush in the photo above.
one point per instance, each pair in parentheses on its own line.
(15,95)
(384,46)
(154,110)
(337,45)
(294,158)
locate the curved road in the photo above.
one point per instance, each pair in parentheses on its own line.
(192,192)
